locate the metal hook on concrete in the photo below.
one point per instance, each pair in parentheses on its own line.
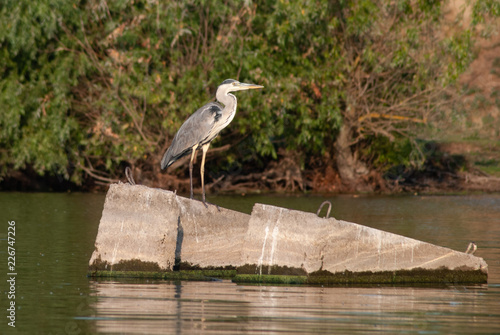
(471,248)
(130,177)
(321,207)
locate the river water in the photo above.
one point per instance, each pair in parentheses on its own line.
(55,236)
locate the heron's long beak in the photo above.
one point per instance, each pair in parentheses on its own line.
(245,86)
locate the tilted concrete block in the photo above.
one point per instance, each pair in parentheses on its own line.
(279,237)
(138,229)
(146,229)
(143,228)
(209,237)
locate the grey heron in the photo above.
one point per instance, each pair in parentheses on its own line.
(203,126)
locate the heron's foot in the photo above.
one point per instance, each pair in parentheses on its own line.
(206,203)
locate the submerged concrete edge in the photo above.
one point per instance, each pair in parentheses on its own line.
(402,277)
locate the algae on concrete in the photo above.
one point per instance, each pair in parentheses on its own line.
(403,277)
(194,275)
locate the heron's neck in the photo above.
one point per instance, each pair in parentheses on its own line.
(229,101)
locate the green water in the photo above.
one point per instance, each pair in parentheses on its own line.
(54,240)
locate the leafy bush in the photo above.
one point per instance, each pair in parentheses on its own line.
(88,87)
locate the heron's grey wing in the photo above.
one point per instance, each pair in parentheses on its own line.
(196,130)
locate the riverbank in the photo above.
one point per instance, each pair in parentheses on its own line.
(453,167)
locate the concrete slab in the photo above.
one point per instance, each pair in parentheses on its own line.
(155,231)
(209,237)
(149,229)
(280,239)
(138,229)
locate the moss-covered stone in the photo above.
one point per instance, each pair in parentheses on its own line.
(195,275)
(186,266)
(254,269)
(269,279)
(405,277)
(128,265)
(402,277)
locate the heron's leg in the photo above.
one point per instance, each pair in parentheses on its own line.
(204,148)
(191,171)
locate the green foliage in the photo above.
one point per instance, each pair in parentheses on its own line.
(35,82)
(459,49)
(384,153)
(483,9)
(88,86)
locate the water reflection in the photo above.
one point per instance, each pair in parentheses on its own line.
(221,306)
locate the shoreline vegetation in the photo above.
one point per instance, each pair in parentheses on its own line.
(360,96)
(448,172)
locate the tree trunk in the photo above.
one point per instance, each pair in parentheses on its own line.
(349,167)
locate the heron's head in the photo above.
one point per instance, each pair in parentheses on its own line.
(231,85)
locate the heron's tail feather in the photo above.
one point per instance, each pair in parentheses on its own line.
(167,160)
(170,157)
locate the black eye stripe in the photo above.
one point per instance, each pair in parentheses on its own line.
(228,81)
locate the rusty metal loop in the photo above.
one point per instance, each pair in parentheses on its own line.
(130,177)
(471,248)
(321,207)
